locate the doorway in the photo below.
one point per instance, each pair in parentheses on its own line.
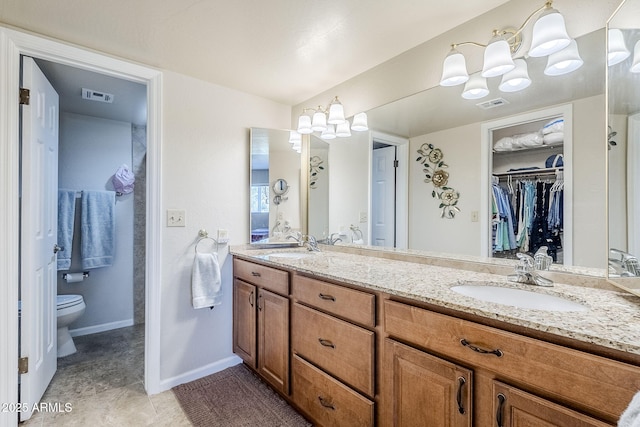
(388,190)
(13,44)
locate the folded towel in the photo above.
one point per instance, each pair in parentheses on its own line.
(631,416)
(66,217)
(98,226)
(206,281)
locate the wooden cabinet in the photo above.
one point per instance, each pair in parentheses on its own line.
(261,321)
(426,390)
(568,379)
(334,358)
(514,408)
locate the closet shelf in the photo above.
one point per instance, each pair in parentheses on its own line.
(535,148)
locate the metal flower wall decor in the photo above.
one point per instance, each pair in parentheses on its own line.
(315,167)
(431,158)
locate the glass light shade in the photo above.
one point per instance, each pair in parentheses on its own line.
(564,61)
(295,137)
(304,124)
(319,122)
(516,79)
(635,68)
(549,34)
(336,113)
(497,58)
(360,122)
(297,146)
(475,88)
(329,132)
(454,69)
(342,130)
(616,48)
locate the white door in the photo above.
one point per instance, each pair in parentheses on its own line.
(38,234)
(383,197)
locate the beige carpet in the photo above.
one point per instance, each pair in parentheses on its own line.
(235,397)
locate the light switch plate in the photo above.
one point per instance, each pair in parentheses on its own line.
(223,236)
(176,218)
(364,217)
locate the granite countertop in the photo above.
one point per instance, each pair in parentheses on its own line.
(611,321)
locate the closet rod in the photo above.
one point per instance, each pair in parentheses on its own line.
(530,172)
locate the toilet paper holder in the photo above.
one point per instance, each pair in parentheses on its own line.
(72,276)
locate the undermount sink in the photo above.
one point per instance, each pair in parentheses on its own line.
(292,255)
(519,298)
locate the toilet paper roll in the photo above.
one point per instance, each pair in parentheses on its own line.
(74,277)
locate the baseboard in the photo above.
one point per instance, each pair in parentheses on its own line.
(199,373)
(100,328)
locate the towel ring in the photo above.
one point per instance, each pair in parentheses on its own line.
(207,238)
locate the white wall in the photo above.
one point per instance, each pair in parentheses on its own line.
(461,147)
(91,150)
(284,163)
(618,184)
(205,170)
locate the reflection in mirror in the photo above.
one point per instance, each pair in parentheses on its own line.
(275,171)
(442,117)
(624,146)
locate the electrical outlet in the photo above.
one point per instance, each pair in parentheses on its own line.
(176,218)
(223,236)
(474,216)
(364,217)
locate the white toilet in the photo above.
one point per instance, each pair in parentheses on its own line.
(69,309)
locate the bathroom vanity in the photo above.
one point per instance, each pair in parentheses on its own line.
(380,338)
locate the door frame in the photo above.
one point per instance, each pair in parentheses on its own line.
(402,185)
(13,44)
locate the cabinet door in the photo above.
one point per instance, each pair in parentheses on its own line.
(516,408)
(244,321)
(424,390)
(273,339)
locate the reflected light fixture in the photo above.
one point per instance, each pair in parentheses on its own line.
(635,68)
(616,47)
(549,35)
(330,121)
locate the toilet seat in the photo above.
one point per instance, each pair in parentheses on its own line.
(66,301)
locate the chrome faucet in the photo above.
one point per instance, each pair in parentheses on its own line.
(333,239)
(526,272)
(297,236)
(312,243)
(624,264)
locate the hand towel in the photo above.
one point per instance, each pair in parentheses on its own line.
(631,416)
(206,281)
(98,227)
(66,219)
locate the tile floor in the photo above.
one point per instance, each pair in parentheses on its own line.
(103,383)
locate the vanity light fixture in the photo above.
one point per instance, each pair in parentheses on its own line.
(617,49)
(296,141)
(564,61)
(549,36)
(635,68)
(330,121)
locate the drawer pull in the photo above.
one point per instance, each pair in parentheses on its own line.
(259,298)
(461,382)
(466,343)
(255,274)
(326,343)
(500,411)
(327,297)
(251,299)
(326,404)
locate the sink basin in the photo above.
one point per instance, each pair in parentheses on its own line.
(291,255)
(518,298)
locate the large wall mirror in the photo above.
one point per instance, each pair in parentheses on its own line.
(624,146)
(458,127)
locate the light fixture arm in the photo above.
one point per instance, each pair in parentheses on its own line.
(514,39)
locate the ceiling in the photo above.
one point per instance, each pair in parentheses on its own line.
(284,50)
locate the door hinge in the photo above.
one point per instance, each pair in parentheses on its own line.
(24,96)
(395,163)
(23,365)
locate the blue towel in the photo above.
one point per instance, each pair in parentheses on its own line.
(98,226)
(66,217)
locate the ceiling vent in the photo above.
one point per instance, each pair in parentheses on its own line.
(94,95)
(492,103)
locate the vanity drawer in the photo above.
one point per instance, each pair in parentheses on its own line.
(266,277)
(594,384)
(350,304)
(327,401)
(340,348)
